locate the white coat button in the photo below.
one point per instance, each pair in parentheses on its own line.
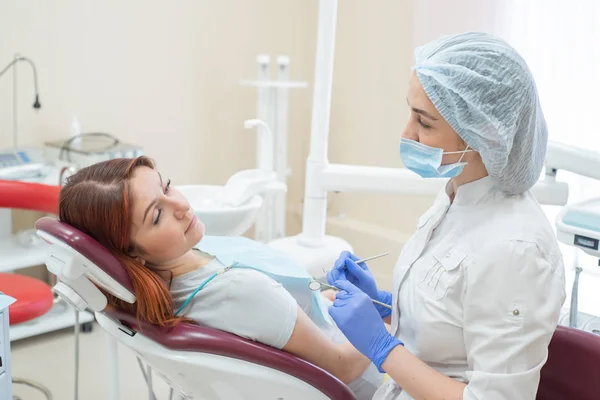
(448,255)
(516,312)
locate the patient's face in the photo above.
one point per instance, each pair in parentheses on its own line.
(164,227)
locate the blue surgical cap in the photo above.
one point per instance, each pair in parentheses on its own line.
(485,91)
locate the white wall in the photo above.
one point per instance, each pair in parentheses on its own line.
(158,73)
(434,18)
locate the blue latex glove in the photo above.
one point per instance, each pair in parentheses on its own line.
(345,268)
(355,315)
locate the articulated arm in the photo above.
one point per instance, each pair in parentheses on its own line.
(574,159)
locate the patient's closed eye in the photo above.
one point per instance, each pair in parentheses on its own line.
(160,210)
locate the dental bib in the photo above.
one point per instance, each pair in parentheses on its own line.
(240,252)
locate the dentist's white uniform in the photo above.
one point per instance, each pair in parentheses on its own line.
(477,292)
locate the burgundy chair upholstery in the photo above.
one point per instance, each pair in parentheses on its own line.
(191,337)
(573,367)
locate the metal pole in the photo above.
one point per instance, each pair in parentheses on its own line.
(113,368)
(15,108)
(574,299)
(281,146)
(77,328)
(315,197)
(263,114)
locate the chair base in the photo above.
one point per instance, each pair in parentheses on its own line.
(35,385)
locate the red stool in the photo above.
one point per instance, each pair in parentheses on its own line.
(34,297)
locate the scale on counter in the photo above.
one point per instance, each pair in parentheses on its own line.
(23,163)
(90,148)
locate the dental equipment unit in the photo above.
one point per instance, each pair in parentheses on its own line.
(36,104)
(18,58)
(578,225)
(230,210)
(84,149)
(21,163)
(272,154)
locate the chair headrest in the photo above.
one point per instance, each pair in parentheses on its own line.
(101,266)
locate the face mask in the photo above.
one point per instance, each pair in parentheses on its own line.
(426,161)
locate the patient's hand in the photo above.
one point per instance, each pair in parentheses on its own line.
(329,294)
(311,344)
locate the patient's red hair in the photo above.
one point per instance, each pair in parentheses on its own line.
(97,200)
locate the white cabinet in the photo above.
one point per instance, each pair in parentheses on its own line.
(5,377)
(5,391)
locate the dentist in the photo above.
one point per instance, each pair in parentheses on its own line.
(478,288)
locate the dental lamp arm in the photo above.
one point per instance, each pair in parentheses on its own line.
(580,161)
(573,159)
(36,104)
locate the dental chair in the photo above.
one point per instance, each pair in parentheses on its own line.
(572,370)
(203,363)
(195,361)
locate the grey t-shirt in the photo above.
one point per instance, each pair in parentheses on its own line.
(245,302)
(252,305)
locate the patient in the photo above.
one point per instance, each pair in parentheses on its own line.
(149,226)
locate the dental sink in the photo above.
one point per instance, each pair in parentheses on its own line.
(219,218)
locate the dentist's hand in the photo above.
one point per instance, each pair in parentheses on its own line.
(359,275)
(354,314)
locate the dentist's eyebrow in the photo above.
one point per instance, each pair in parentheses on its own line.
(421,112)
